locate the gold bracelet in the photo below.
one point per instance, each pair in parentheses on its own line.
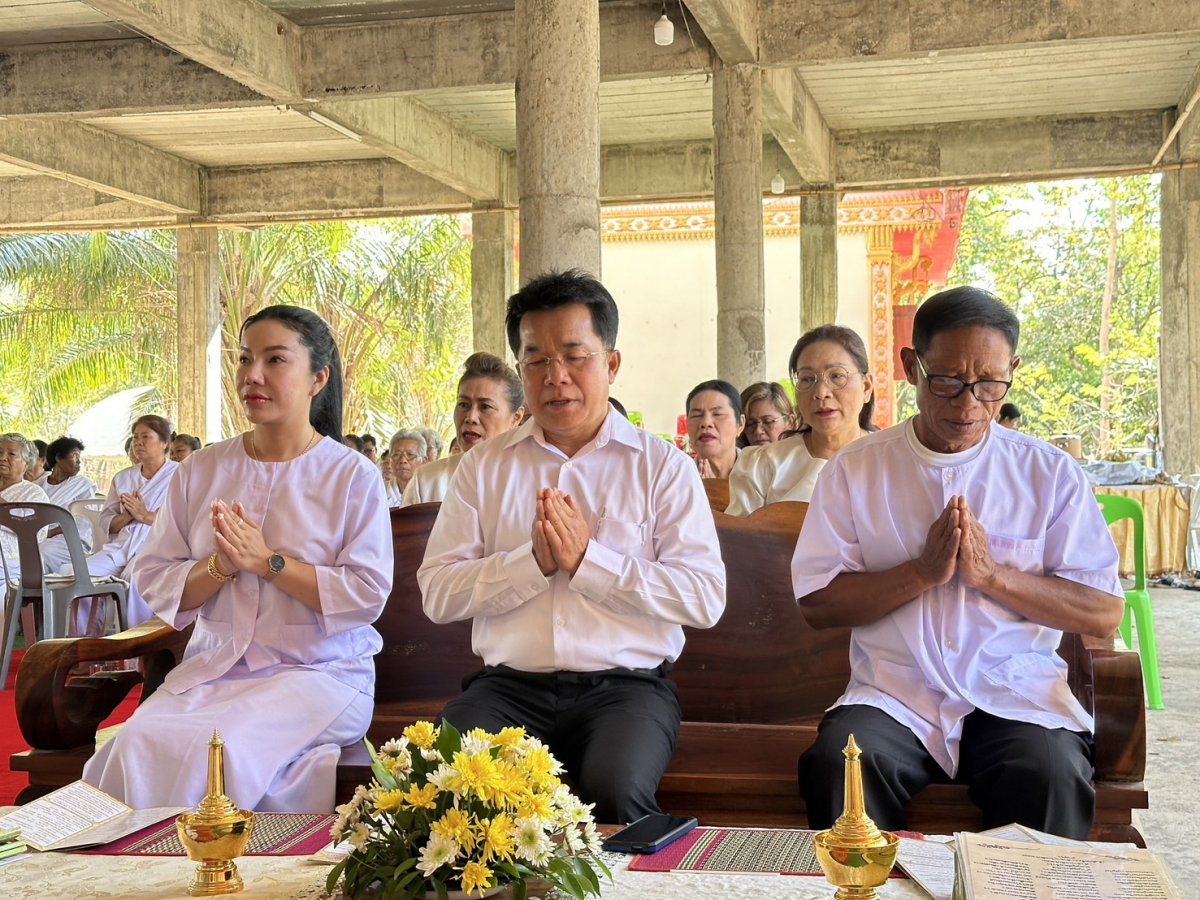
(217,573)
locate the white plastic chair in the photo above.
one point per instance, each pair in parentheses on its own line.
(90,509)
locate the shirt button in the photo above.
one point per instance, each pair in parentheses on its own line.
(534,587)
(566,465)
(950,643)
(561,621)
(946,476)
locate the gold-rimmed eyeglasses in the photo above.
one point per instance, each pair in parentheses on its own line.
(837,377)
(574,362)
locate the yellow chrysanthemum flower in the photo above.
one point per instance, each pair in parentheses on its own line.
(388,801)
(537,806)
(421,797)
(509,737)
(538,765)
(496,838)
(456,825)
(477,774)
(421,734)
(476,876)
(511,787)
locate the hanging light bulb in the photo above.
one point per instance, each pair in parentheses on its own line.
(664,31)
(777,184)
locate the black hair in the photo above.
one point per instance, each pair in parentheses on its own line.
(959,307)
(193,442)
(849,341)
(325,414)
(41,452)
(59,448)
(735,399)
(617,405)
(369,439)
(487,365)
(555,289)
(157,424)
(1010,411)
(354,439)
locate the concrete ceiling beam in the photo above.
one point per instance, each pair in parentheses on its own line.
(793,116)
(731,26)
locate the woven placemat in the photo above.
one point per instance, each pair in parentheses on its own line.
(275,834)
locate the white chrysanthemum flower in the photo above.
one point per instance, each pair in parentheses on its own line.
(438,852)
(431,755)
(473,744)
(531,839)
(443,777)
(591,838)
(361,793)
(395,746)
(359,835)
(403,762)
(573,839)
(529,743)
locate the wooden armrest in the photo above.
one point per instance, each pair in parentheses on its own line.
(57,712)
(1119,707)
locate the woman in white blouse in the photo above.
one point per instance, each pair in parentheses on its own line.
(835,397)
(770,414)
(714,424)
(490,402)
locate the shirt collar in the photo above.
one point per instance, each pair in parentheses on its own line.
(615,428)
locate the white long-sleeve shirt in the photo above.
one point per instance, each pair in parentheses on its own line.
(652,565)
(772,473)
(954,649)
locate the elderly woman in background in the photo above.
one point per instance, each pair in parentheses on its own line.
(407,453)
(433,443)
(714,423)
(63,486)
(769,414)
(183,446)
(17,454)
(490,402)
(835,397)
(38,467)
(129,510)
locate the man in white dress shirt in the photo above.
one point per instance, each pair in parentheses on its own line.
(954,674)
(580,545)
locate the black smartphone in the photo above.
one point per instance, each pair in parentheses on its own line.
(650,833)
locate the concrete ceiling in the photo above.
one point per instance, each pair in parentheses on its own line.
(123,111)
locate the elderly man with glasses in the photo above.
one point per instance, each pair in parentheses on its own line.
(958,552)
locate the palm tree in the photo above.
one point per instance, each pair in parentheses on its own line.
(87,315)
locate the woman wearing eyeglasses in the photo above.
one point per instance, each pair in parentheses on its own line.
(769,414)
(835,397)
(408,449)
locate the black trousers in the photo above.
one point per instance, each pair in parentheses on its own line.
(614,731)
(1014,772)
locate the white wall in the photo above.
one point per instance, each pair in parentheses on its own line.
(667,294)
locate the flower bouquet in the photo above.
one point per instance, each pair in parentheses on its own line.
(449,812)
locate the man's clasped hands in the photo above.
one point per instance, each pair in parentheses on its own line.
(957,542)
(560,532)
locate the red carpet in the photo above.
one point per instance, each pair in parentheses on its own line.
(11,783)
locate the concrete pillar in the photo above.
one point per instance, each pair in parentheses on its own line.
(737,200)
(558,134)
(492,277)
(1179,358)
(818,260)
(197,281)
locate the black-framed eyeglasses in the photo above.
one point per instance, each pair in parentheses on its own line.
(948,388)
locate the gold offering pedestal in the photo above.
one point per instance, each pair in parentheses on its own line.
(855,855)
(216,833)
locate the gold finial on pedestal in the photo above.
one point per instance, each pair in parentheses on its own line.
(216,833)
(854,854)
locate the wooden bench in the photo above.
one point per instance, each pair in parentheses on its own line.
(753,689)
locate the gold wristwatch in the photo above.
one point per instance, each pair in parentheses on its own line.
(274,567)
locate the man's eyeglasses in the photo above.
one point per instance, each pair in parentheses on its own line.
(409,455)
(540,365)
(948,388)
(767,422)
(837,377)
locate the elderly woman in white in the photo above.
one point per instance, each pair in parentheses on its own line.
(835,396)
(490,402)
(407,453)
(63,486)
(17,454)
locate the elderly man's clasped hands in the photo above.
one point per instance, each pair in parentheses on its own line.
(560,532)
(957,542)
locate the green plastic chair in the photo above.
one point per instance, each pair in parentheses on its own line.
(1137,600)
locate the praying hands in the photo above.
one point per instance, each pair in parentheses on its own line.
(238,540)
(957,542)
(560,532)
(135,507)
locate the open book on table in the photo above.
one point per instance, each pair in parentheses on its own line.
(80,815)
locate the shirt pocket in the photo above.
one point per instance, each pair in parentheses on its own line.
(208,635)
(1022,554)
(626,538)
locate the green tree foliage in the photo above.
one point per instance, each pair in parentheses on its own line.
(1044,248)
(86,315)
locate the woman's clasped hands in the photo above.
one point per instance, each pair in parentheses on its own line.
(238,540)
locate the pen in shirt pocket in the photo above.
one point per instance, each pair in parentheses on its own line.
(600,521)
